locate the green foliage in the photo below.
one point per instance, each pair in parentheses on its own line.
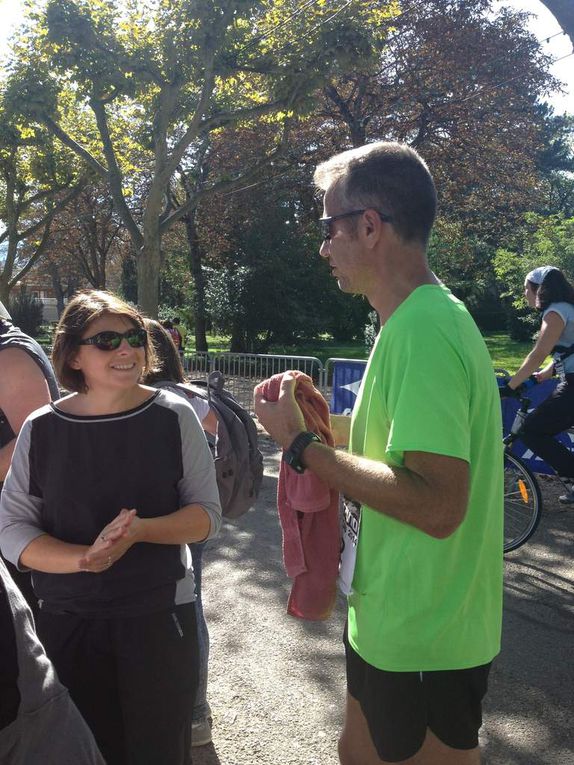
(543,241)
(464,263)
(168,312)
(135,88)
(371,331)
(26,311)
(176,287)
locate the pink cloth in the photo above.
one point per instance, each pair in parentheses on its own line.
(309,513)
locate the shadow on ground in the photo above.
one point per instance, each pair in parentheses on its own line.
(528,711)
(277,683)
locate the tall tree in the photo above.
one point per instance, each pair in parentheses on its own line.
(37,182)
(174,73)
(461,86)
(91,234)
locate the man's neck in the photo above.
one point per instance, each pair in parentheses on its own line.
(402,273)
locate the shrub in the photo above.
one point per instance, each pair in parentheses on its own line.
(26,311)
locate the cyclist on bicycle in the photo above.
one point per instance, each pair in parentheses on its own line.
(547,289)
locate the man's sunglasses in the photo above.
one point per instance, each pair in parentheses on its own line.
(111,341)
(325,223)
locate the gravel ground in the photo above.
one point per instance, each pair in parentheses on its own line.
(276,684)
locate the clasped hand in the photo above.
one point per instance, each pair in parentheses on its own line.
(112,542)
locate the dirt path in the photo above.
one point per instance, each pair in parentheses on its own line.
(276,683)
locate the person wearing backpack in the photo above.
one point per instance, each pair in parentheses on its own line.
(167,373)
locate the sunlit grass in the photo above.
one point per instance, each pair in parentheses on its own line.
(506,353)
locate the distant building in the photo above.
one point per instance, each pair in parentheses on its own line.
(39,285)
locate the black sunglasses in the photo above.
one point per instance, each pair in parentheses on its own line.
(111,341)
(325,223)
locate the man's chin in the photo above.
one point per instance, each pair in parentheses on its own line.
(344,286)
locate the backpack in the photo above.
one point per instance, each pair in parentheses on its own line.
(238,461)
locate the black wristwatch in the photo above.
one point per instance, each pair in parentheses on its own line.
(292,455)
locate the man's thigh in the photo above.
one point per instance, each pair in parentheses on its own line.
(356,745)
(418,717)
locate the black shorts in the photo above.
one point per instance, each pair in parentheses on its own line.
(400,706)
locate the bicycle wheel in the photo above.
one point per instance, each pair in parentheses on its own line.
(522,503)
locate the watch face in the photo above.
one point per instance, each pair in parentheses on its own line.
(293,461)
(293,455)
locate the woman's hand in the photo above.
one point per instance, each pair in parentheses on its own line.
(544,374)
(114,540)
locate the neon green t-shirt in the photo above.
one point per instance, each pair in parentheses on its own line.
(419,603)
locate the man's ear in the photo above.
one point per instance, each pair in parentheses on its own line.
(373,225)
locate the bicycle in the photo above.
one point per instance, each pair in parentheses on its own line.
(522,495)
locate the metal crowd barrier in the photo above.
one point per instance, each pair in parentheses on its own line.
(242,371)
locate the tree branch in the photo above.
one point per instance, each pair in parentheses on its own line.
(60,205)
(68,141)
(227,185)
(114,175)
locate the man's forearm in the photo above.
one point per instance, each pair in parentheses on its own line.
(400,493)
(430,492)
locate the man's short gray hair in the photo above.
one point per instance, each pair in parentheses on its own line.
(389,177)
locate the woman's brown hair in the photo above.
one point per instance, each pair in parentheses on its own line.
(555,288)
(167,364)
(84,308)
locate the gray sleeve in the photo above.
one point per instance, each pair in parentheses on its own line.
(198,484)
(20,512)
(562,309)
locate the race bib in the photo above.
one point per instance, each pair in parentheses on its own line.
(349,541)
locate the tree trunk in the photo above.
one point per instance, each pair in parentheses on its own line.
(4,292)
(57,287)
(237,342)
(195,267)
(148,266)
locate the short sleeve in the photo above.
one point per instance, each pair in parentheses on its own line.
(198,484)
(428,397)
(564,310)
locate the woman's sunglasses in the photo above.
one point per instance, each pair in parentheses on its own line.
(111,341)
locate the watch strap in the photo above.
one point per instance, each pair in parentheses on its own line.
(292,456)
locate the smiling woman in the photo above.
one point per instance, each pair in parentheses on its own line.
(107,487)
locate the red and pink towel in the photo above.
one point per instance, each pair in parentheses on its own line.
(309,513)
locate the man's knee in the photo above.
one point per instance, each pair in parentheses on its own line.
(344,755)
(348,754)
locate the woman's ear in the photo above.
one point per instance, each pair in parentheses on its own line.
(74,363)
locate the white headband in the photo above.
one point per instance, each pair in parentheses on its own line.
(538,275)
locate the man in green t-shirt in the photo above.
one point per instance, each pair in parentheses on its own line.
(422,560)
